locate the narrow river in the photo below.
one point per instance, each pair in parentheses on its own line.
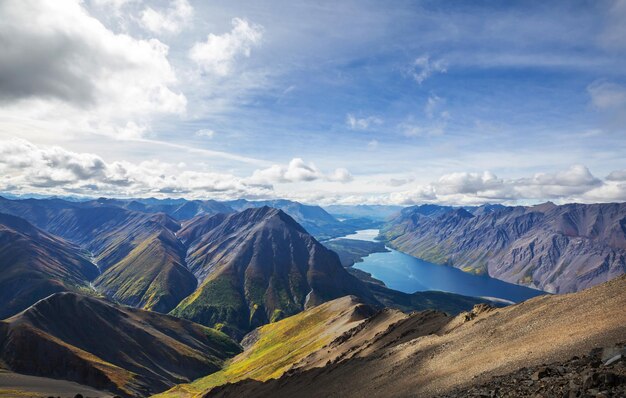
(408,274)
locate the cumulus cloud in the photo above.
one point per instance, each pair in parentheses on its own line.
(68,66)
(217,54)
(423,67)
(362,123)
(340,175)
(171,20)
(297,171)
(573,184)
(27,168)
(467,183)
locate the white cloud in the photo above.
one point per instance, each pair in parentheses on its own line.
(27,168)
(217,54)
(372,145)
(340,175)
(70,71)
(297,171)
(207,133)
(423,67)
(362,123)
(171,20)
(573,184)
(467,183)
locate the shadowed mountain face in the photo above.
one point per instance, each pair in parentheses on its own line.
(35,264)
(554,248)
(427,354)
(259,266)
(119,349)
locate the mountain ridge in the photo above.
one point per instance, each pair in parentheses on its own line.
(554,248)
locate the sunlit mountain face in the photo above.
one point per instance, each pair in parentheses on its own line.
(312,198)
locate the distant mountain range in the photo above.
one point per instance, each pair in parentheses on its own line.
(554,248)
(233,271)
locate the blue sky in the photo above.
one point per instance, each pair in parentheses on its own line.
(326,102)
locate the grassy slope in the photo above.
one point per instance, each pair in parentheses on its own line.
(278,346)
(151,277)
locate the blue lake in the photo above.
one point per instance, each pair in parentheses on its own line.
(408,274)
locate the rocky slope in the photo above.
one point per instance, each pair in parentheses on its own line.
(35,264)
(256,267)
(126,351)
(554,248)
(601,373)
(430,354)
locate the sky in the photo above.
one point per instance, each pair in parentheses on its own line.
(378,102)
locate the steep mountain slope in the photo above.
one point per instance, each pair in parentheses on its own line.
(141,259)
(314,219)
(273,349)
(99,344)
(428,354)
(152,276)
(35,264)
(259,266)
(555,248)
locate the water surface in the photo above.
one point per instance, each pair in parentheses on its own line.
(408,274)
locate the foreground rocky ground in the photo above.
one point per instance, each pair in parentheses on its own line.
(601,374)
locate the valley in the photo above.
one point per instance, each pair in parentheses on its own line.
(402,272)
(248,296)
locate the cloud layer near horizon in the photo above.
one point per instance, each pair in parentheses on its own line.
(26,168)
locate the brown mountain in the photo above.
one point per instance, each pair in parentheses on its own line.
(429,354)
(35,264)
(127,351)
(259,266)
(554,248)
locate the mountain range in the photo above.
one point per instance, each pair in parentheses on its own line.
(233,271)
(554,248)
(136,297)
